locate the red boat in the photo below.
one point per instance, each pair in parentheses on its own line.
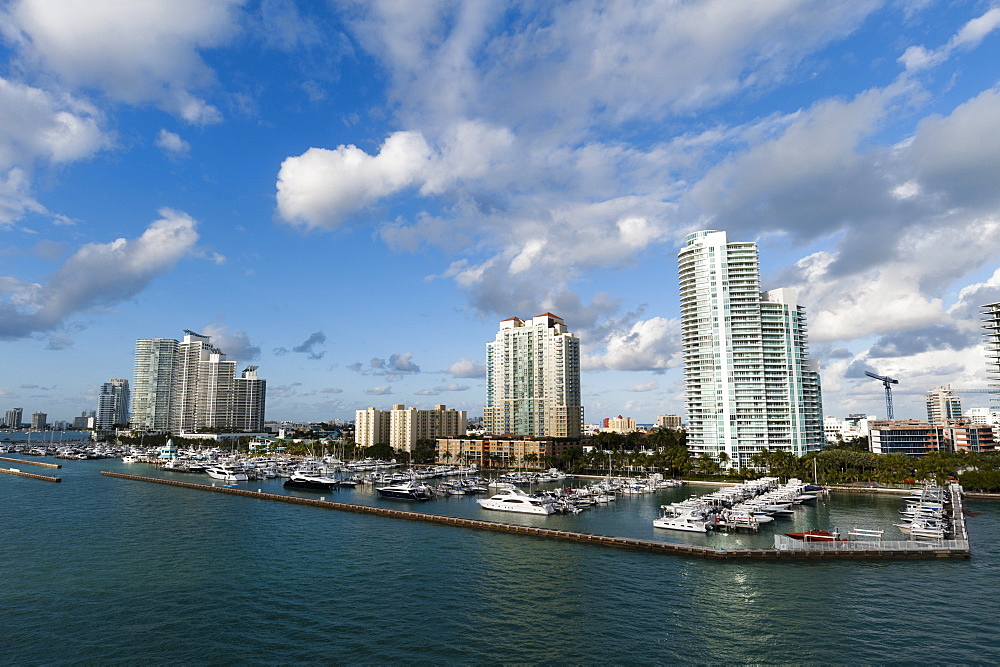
(816,536)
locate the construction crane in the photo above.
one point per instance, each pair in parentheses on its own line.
(886,381)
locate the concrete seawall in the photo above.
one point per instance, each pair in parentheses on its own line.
(29,475)
(28,462)
(654,546)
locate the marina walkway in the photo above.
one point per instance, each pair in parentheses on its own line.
(654,546)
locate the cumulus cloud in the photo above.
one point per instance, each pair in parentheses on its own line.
(467,368)
(172,144)
(321,187)
(235,344)
(396,366)
(647,345)
(95,276)
(135,52)
(381,390)
(37,126)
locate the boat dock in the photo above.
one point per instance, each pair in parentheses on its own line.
(30,463)
(896,552)
(18,473)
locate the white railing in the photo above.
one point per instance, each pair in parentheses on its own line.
(785,543)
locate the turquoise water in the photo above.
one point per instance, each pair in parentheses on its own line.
(105,570)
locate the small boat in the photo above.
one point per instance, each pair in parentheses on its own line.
(816,536)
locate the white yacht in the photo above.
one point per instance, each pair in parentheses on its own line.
(513,499)
(690,520)
(227,473)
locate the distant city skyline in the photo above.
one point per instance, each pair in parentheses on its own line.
(352,196)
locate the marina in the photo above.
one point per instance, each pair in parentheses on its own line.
(846,549)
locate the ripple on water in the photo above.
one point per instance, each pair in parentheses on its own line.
(103,570)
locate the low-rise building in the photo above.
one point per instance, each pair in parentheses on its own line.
(917,438)
(503,451)
(619,424)
(669,421)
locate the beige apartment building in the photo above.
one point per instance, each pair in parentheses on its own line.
(402,427)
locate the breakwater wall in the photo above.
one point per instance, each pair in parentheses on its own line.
(29,475)
(30,463)
(635,544)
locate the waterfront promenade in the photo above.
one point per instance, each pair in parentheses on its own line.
(857,550)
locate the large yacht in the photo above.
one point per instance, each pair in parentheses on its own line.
(513,499)
(227,473)
(688,519)
(301,479)
(411,490)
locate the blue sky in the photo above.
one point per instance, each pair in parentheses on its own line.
(352,195)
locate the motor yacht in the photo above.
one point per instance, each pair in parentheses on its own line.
(227,473)
(513,499)
(411,490)
(301,479)
(690,520)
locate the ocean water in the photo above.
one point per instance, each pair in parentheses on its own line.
(103,570)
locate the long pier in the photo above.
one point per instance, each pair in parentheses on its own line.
(30,475)
(30,463)
(636,544)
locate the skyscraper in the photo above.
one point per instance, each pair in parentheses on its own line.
(153,391)
(533,379)
(991,330)
(112,404)
(943,405)
(749,383)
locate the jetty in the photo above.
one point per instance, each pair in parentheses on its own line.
(30,475)
(891,550)
(30,463)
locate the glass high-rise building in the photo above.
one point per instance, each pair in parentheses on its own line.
(153,389)
(749,383)
(533,379)
(113,404)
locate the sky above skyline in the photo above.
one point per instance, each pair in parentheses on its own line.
(352,195)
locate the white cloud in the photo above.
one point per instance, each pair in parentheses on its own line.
(97,275)
(647,345)
(235,344)
(652,385)
(381,390)
(321,188)
(917,58)
(172,144)
(467,368)
(40,127)
(136,52)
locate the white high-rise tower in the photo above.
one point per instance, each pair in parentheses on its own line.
(991,330)
(749,383)
(533,379)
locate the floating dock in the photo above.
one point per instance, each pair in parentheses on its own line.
(30,463)
(30,475)
(926,550)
